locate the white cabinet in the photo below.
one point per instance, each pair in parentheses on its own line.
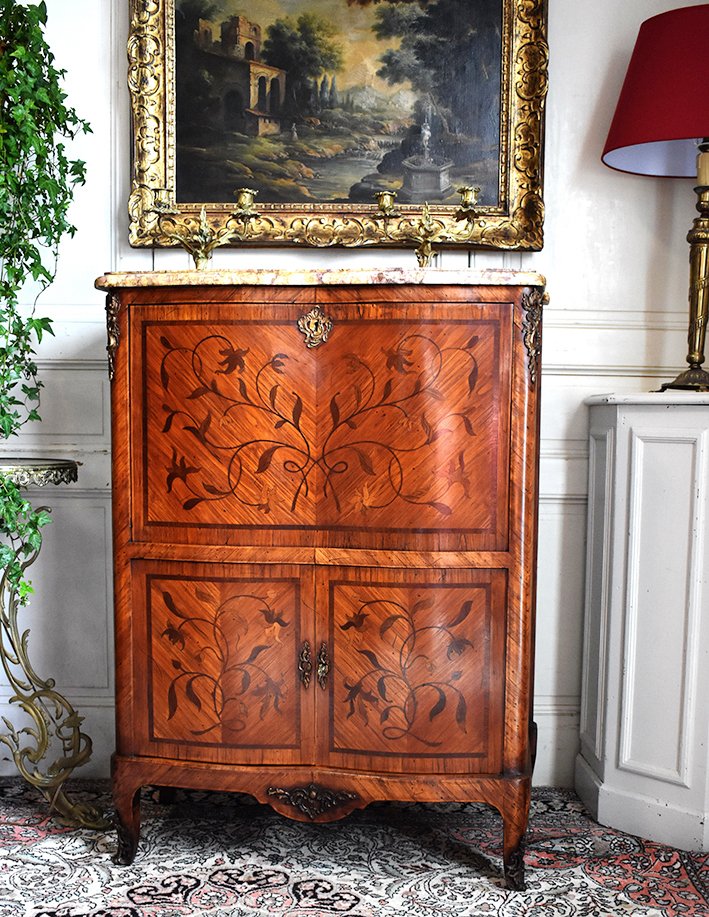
(642,767)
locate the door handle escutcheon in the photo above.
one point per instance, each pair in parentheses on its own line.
(305,664)
(323,665)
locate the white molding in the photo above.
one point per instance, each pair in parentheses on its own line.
(603,442)
(69,364)
(607,370)
(635,813)
(562,499)
(616,320)
(637,496)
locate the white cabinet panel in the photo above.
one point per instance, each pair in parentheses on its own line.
(644,757)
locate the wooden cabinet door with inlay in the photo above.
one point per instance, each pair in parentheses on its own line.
(219,680)
(325,493)
(415,683)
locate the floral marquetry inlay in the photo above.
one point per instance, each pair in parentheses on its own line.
(361,446)
(409,664)
(221,660)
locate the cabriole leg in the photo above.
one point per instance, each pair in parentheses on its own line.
(515,818)
(126,800)
(514,863)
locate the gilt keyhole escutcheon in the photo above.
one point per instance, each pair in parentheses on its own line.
(315,326)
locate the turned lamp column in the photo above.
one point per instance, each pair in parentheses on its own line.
(695,378)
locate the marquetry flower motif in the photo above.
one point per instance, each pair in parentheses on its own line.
(274,621)
(455,473)
(361,500)
(254,425)
(233,360)
(179,470)
(218,672)
(398,359)
(408,689)
(457,647)
(355,620)
(174,635)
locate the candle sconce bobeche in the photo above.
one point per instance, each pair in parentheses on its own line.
(387,225)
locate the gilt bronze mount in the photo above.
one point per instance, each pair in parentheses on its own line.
(199,236)
(312,800)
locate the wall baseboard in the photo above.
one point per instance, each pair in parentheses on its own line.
(653,819)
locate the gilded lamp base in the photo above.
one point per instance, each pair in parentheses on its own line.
(694,379)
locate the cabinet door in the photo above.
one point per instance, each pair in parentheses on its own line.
(395,431)
(413,417)
(416,673)
(216,662)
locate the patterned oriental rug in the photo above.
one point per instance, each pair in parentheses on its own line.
(218,854)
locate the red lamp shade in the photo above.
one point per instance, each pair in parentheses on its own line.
(663,109)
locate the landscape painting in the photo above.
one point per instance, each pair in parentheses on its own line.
(331,101)
(338,122)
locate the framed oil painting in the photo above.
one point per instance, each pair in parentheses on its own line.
(338,122)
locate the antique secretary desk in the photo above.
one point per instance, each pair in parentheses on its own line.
(325,500)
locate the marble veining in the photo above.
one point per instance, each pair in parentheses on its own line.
(309,277)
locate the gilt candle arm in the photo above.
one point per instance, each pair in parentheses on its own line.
(197,235)
(426,231)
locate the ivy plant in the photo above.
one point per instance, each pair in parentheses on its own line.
(37,180)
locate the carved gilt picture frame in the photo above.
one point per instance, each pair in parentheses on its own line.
(337,123)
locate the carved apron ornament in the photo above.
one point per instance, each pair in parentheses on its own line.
(312,800)
(315,326)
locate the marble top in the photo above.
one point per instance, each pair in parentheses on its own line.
(306,277)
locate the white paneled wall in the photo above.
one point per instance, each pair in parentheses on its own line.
(616,263)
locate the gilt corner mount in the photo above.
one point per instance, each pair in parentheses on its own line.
(353,123)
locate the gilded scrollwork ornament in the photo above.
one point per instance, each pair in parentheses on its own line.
(323,669)
(51,744)
(514,220)
(113,333)
(315,326)
(305,664)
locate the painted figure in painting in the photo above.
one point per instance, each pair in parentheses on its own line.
(331,101)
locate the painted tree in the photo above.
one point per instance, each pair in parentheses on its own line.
(305,49)
(189,12)
(325,92)
(449,51)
